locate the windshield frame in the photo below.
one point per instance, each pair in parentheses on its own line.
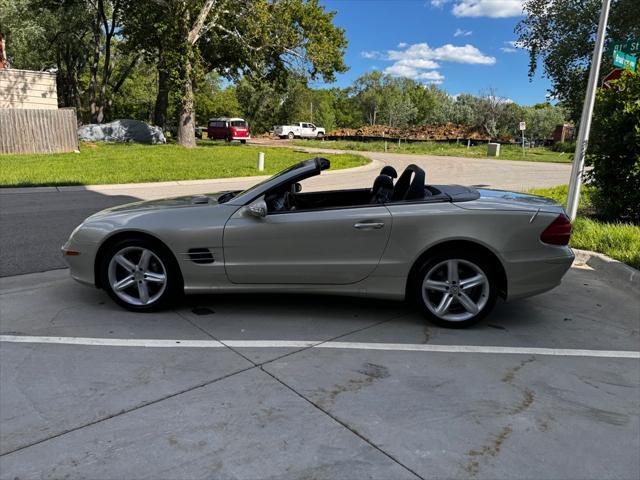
(294,173)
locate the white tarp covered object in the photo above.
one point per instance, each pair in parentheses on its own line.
(122,131)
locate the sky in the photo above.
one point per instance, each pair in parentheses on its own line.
(464,46)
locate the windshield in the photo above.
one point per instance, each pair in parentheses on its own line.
(297,166)
(238,123)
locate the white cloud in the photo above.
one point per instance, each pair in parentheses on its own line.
(462,33)
(446,53)
(438,3)
(370,54)
(403,45)
(421,62)
(511,47)
(401,70)
(488,8)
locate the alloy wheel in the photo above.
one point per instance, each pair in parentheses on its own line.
(455,290)
(137,275)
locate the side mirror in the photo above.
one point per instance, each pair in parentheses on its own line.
(296,188)
(258,208)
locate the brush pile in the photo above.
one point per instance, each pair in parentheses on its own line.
(447,131)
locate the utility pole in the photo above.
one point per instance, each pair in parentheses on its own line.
(582,141)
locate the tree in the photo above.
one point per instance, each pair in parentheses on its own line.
(614,150)
(212,100)
(561,35)
(258,38)
(542,119)
(368,90)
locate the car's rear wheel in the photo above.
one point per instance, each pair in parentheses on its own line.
(291,135)
(140,275)
(456,289)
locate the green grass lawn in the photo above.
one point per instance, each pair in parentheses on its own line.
(617,240)
(507,152)
(103,163)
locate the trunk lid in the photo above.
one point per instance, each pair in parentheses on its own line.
(506,200)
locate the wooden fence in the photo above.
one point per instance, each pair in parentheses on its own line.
(38,131)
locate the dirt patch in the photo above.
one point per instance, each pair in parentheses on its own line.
(511,373)
(490,448)
(368,374)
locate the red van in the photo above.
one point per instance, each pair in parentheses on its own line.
(228,129)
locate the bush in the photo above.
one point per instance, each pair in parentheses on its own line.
(564,147)
(614,150)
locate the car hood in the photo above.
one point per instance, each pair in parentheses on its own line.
(202,200)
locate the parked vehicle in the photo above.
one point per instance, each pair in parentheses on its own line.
(300,130)
(450,248)
(228,129)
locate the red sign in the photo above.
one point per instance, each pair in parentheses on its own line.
(614,74)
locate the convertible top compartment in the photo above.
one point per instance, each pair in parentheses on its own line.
(456,193)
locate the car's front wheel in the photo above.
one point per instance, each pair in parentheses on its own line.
(456,289)
(139,275)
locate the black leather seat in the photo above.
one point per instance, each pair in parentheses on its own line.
(389,171)
(382,189)
(410,185)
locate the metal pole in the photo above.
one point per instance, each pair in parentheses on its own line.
(577,168)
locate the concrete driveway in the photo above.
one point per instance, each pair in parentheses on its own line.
(316,387)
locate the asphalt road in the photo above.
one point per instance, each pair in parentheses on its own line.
(290,387)
(33,226)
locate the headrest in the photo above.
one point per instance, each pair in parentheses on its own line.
(389,171)
(382,182)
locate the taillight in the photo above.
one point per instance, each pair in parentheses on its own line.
(559,232)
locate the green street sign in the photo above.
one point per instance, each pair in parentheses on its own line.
(630,46)
(622,60)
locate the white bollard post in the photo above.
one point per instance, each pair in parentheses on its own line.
(261,161)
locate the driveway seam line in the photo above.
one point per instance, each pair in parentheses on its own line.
(175,394)
(132,409)
(260,366)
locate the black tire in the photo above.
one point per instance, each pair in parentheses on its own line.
(484,295)
(291,136)
(173,284)
(243,142)
(320,135)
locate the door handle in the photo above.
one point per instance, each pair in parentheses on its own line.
(369,226)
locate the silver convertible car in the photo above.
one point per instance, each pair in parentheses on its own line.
(450,248)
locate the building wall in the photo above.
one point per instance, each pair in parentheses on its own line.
(25,89)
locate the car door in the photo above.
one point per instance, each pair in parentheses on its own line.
(307,131)
(332,246)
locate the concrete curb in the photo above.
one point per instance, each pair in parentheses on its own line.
(372,165)
(610,270)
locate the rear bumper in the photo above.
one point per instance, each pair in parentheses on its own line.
(527,277)
(248,137)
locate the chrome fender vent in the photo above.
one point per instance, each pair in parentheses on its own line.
(200,255)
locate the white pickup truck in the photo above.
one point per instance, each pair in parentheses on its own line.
(300,130)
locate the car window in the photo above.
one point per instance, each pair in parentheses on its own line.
(279,174)
(238,123)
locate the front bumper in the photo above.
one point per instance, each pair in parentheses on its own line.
(81,263)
